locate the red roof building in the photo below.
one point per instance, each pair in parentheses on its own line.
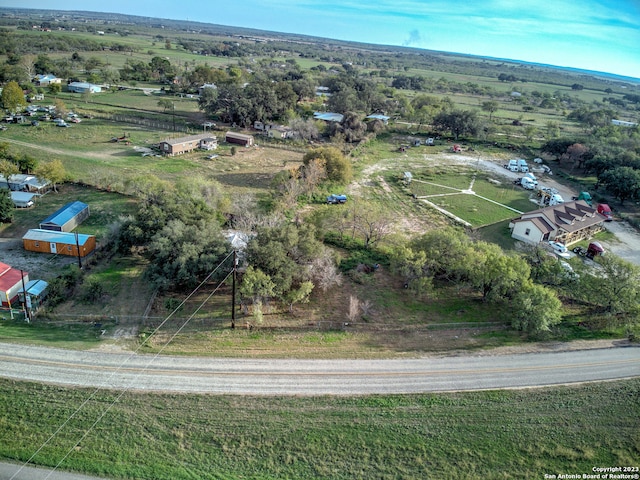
(10,284)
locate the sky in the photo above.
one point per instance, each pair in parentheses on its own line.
(601,35)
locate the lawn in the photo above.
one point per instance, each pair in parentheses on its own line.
(494,434)
(442,186)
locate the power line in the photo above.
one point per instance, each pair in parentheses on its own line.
(119,367)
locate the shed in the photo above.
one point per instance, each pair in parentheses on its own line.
(239,139)
(60,243)
(22,199)
(10,283)
(25,183)
(36,293)
(66,218)
(407,177)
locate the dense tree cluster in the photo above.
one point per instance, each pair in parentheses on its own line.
(449,255)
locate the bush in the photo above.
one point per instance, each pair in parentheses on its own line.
(92,290)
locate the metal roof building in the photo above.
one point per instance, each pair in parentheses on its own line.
(10,283)
(66,218)
(60,243)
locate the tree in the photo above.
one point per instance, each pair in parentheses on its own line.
(299,295)
(413,266)
(54,88)
(490,106)
(370,221)
(6,206)
(458,122)
(52,171)
(615,289)
(165,104)
(538,308)
(577,154)
(496,275)
(8,169)
(353,128)
(338,167)
(306,129)
(622,182)
(313,173)
(257,286)
(181,255)
(13,97)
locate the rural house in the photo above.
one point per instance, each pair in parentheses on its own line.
(66,218)
(565,223)
(10,283)
(239,139)
(60,243)
(176,146)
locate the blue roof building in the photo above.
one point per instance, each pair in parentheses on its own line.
(67,218)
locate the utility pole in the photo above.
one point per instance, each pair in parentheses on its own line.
(27,308)
(233,290)
(78,250)
(173,106)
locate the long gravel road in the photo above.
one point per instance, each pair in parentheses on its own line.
(314,377)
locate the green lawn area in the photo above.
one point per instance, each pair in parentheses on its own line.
(475,210)
(509,434)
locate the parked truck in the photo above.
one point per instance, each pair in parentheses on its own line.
(586,196)
(549,197)
(522,165)
(335,199)
(512,166)
(604,209)
(593,250)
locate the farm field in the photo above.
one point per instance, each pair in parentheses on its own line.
(514,434)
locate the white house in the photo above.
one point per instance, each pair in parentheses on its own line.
(566,223)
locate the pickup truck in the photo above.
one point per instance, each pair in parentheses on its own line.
(334,199)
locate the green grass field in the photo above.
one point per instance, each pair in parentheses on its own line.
(494,434)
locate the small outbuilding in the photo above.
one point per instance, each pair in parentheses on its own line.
(239,139)
(36,293)
(10,284)
(25,183)
(66,218)
(176,146)
(22,199)
(59,243)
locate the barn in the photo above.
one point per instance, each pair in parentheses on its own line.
(10,284)
(176,146)
(60,243)
(239,139)
(66,218)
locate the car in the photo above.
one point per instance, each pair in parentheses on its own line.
(560,249)
(35,123)
(61,124)
(211,157)
(75,120)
